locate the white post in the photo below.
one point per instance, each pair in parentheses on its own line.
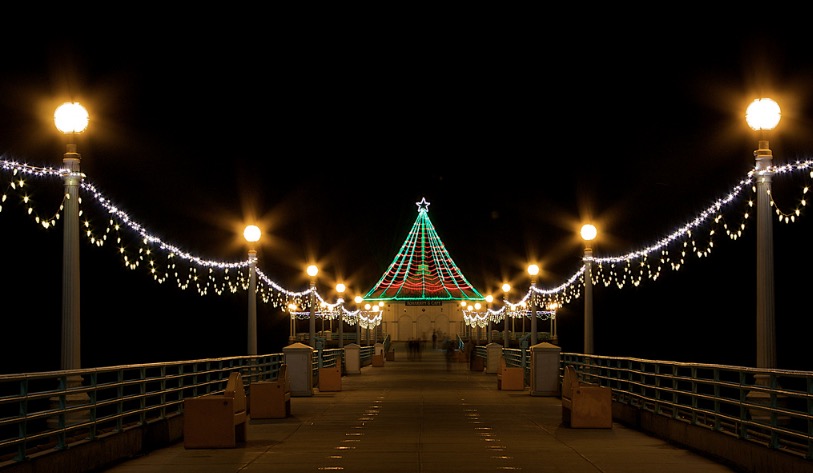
(766,343)
(252,302)
(588,301)
(71,346)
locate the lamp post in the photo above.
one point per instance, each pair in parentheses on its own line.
(506,288)
(252,236)
(463,307)
(376,309)
(763,115)
(489,300)
(554,336)
(358,301)
(533,270)
(588,233)
(71,118)
(367,309)
(340,288)
(312,272)
(292,311)
(477,308)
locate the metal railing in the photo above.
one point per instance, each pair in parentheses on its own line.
(366,355)
(50,411)
(770,407)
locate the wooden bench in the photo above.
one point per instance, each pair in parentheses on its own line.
(216,420)
(510,378)
(271,399)
(330,378)
(585,405)
(477,363)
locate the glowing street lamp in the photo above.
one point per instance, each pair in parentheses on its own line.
(252,236)
(340,288)
(763,115)
(506,288)
(71,119)
(533,270)
(588,233)
(312,272)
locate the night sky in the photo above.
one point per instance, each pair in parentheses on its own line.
(329,140)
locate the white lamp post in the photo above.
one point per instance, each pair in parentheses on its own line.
(376,309)
(340,288)
(323,311)
(506,288)
(312,272)
(533,270)
(489,300)
(763,115)
(463,307)
(292,311)
(476,329)
(71,118)
(554,337)
(252,236)
(588,233)
(358,300)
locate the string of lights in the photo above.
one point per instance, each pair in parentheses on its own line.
(105,223)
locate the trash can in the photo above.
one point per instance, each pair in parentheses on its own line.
(493,356)
(299,358)
(545,369)
(352,359)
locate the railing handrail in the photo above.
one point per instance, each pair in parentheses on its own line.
(39,409)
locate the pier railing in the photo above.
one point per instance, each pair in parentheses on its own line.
(48,412)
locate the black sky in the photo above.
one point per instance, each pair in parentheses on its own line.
(329,140)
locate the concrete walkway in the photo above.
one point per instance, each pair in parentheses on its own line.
(424,416)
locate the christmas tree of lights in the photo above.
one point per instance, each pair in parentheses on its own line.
(423,268)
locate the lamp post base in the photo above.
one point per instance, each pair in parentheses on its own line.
(69,401)
(760,397)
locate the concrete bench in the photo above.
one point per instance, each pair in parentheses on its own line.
(271,399)
(585,405)
(510,378)
(216,420)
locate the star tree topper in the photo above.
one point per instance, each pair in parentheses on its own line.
(422,202)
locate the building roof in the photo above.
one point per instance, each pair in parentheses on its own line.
(423,269)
